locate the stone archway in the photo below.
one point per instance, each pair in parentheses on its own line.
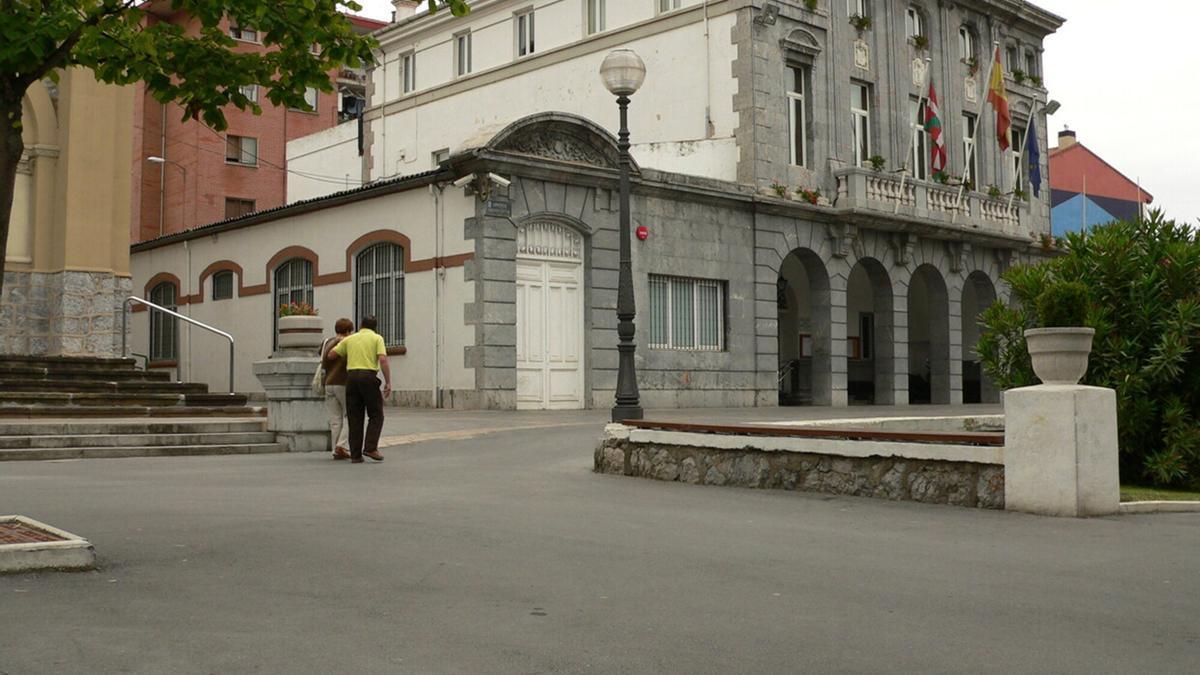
(978,294)
(928,337)
(803,302)
(870,336)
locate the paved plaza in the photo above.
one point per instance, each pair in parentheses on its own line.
(485,544)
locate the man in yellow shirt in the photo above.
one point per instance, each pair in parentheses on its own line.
(365,354)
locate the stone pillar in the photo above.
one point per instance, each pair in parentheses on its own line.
(294,413)
(955,349)
(900,344)
(1060,450)
(838,364)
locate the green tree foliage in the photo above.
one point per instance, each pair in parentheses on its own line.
(1143,298)
(197,68)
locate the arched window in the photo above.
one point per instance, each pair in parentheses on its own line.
(379,289)
(164,328)
(293,284)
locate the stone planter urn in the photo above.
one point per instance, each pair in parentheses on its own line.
(1059,355)
(300,332)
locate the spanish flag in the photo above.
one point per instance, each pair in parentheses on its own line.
(998,97)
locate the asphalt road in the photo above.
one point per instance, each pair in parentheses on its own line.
(475,549)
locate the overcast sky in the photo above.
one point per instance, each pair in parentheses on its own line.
(1127,76)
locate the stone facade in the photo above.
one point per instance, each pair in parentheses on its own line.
(930,481)
(62,313)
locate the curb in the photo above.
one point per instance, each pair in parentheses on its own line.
(1159,507)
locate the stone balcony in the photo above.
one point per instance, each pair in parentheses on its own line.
(866,191)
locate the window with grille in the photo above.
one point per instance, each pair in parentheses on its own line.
(525,42)
(293,284)
(687,314)
(860,117)
(379,285)
(222,285)
(920,142)
(241,150)
(798,116)
(164,328)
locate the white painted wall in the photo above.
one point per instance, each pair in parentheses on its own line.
(435,331)
(668,122)
(323,163)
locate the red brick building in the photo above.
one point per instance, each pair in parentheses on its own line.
(208,175)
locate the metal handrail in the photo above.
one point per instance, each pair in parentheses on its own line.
(177,315)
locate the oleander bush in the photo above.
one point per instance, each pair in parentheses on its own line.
(1142,285)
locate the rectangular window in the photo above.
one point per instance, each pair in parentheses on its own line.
(966,43)
(236,207)
(250,91)
(919,163)
(1030,63)
(595,16)
(914,23)
(968,146)
(241,150)
(667,5)
(222,285)
(866,334)
(798,116)
(310,100)
(243,34)
(440,156)
(1010,57)
(379,273)
(164,328)
(462,54)
(687,314)
(856,7)
(860,119)
(1015,150)
(408,71)
(525,41)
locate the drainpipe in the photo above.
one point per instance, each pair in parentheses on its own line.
(162,171)
(439,271)
(709,129)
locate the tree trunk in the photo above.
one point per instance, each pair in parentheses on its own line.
(11,147)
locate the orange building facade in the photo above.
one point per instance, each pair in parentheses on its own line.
(208,176)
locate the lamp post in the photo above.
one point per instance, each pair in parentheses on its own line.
(162,193)
(623,73)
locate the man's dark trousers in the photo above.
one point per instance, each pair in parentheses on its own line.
(363,396)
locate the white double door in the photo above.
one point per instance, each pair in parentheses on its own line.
(549,333)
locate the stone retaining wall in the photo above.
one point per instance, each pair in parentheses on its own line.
(898,478)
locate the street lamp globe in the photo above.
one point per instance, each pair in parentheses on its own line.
(622,72)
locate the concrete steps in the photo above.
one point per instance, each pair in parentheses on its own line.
(63,439)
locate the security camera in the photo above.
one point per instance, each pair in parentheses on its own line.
(464,180)
(499,180)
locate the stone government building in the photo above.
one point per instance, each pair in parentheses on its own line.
(501,293)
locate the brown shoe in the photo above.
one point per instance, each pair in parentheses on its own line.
(374,454)
(341,453)
(356,460)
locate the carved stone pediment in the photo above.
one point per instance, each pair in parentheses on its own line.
(800,45)
(560,138)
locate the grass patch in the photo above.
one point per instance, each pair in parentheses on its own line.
(1136,493)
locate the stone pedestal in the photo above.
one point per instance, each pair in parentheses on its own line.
(294,413)
(1060,450)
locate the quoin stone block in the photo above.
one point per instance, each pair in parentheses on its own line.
(1060,454)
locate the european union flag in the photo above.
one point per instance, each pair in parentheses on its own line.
(1034,157)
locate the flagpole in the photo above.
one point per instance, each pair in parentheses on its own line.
(1083,225)
(962,183)
(1141,216)
(1021,154)
(912,136)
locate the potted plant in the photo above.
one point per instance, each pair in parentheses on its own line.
(1036,80)
(1018,76)
(779,189)
(876,162)
(972,65)
(920,42)
(810,5)
(806,195)
(299,326)
(860,22)
(994,192)
(1059,347)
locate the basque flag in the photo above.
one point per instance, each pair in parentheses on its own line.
(933,125)
(1034,156)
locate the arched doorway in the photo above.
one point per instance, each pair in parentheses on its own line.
(870,340)
(805,372)
(978,294)
(928,337)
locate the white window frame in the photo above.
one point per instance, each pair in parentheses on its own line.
(408,72)
(525,33)
(914,22)
(798,115)
(970,147)
(391,322)
(594,16)
(856,7)
(247,156)
(462,54)
(919,166)
(1031,63)
(1011,54)
(250,91)
(966,43)
(669,314)
(1016,149)
(860,122)
(239,33)
(439,155)
(665,6)
(164,328)
(309,92)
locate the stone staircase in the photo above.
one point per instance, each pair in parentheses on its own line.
(83,407)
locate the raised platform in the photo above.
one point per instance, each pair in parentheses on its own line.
(27,545)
